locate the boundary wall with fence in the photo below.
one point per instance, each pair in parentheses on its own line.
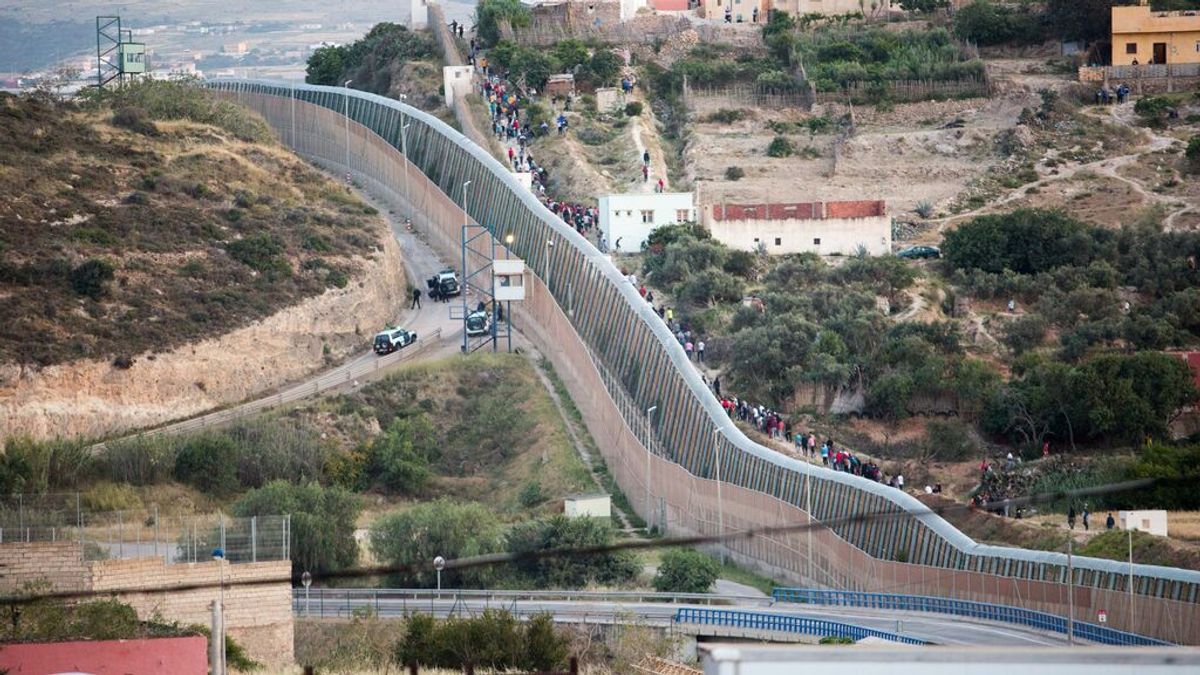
(618,359)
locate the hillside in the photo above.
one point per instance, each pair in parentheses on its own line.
(157,218)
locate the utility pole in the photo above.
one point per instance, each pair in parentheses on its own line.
(808,509)
(1130,625)
(462,289)
(404,151)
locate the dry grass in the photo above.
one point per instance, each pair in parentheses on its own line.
(164,206)
(1184,525)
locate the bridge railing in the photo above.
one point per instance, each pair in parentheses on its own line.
(976,610)
(781,623)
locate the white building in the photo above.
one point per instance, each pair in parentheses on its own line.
(626,220)
(1152,521)
(825,228)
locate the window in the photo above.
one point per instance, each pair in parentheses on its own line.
(648,216)
(1131,47)
(682,215)
(817,241)
(778,241)
(1198,46)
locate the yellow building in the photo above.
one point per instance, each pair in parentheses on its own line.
(1141,37)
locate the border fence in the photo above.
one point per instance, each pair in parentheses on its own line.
(717,481)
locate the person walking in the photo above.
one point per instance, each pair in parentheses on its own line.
(1086,515)
(1110,521)
(416,299)
(646,158)
(1071,517)
(700,351)
(645,173)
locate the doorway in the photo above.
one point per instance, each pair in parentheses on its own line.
(1160,52)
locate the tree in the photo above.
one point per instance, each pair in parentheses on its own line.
(326,66)
(986,23)
(411,539)
(322,527)
(1026,241)
(684,570)
(923,6)
(399,457)
(1087,20)
(559,532)
(489,14)
(604,67)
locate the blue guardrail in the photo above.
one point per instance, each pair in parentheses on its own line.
(784,624)
(969,608)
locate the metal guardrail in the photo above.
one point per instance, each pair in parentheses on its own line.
(782,623)
(347,595)
(968,608)
(334,378)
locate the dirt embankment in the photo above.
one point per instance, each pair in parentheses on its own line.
(94,398)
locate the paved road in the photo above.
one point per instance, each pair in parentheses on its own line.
(945,630)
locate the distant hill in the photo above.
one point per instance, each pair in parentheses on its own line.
(157,216)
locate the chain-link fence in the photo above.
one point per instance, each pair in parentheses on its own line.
(137,533)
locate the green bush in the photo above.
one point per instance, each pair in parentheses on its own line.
(568,571)
(684,570)
(138,460)
(987,23)
(633,109)
(494,640)
(400,456)
(1025,333)
(208,463)
(91,278)
(37,466)
(411,539)
(727,115)
(734,173)
(710,285)
(1192,153)
(532,495)
(322,526)
(262,253)
(111,497)
(780,147)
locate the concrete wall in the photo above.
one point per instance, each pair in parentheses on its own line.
(1150,521)
(835,235)
(1138,26)
(158,656)
(258,616)
(621,216)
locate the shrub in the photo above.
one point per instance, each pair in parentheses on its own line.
(111,497)
(728,116)
(710,285)
(987,23)
(684,570)
(322,527)
(411,539)
(260,252)
(1025,333)
(91,278)
(135,119)
(139,460)
(780,147)
(208,463)
(532,495)
(568,572)
(924,209)
(1192,153)
(633,109)
(494,640)
(949,441)
(734,173)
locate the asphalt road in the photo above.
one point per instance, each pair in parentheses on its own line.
(944,630)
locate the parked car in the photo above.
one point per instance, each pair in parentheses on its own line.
(479,323)
(444,284)
(919,252)
(393,339)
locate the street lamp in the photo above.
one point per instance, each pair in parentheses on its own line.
(218,618)
(549,262)
(346,98)
(404,150)
(720,505)
(649,411)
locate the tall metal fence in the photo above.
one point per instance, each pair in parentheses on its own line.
(717,479)
(140,533)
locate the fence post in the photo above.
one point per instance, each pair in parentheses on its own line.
(156,533)
(120,535)
(253,538)
(221,516)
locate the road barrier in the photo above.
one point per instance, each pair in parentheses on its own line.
(781,623)
(975,610)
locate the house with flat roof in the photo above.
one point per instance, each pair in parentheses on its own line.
(1141,36)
